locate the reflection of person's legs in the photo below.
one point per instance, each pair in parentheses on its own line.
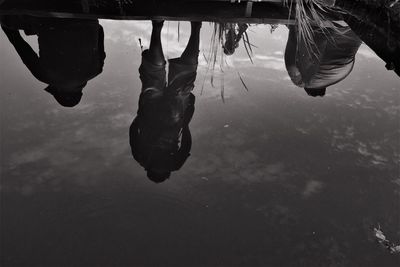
(152,69)
(156,54)
(181,78)
(191,53)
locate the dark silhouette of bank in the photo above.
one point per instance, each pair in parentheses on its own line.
(71,52)
(323,61)
(160,137)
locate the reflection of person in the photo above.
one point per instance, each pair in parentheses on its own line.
(159,135)
(326,61)
(71,52)
(232,38)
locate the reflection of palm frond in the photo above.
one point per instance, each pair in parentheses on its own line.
(241,79)
(216,56)
(309,15)
(247,46)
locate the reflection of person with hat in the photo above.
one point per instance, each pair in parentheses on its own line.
(71,52)
(324,62)
(159,135)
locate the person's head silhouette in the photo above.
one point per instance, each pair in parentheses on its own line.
(315,91)
(233,37)
(66,96)
(157,176)
(159,150)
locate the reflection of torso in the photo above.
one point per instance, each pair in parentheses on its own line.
(69,51)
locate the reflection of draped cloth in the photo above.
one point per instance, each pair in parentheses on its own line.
(333,60)
(160,136)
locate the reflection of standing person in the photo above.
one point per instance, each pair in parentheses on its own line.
(326,61)
(71,52)
(159,136)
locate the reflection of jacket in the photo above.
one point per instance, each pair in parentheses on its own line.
(158,139)
(329,60)
(71,51)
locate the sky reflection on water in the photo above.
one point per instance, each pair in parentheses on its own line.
(275,177)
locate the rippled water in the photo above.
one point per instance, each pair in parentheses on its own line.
(275,177)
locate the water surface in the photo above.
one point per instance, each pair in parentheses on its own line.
(275,177)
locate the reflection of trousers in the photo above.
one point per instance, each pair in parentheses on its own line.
(181,76)
(166,103)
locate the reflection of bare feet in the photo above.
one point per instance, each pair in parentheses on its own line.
(157,22)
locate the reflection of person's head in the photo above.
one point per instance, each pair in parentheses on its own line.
(157,176)
(159,150)
(232,38)
(315,91)
(66,96)
(230,46)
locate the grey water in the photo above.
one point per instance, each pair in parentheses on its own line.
(275,177)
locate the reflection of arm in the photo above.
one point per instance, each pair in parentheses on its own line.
(101,44)
(184,150)
(27,54)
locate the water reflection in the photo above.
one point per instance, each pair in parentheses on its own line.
(323,61)
(271,172)
(379,30)
(71,52)
(159,135)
